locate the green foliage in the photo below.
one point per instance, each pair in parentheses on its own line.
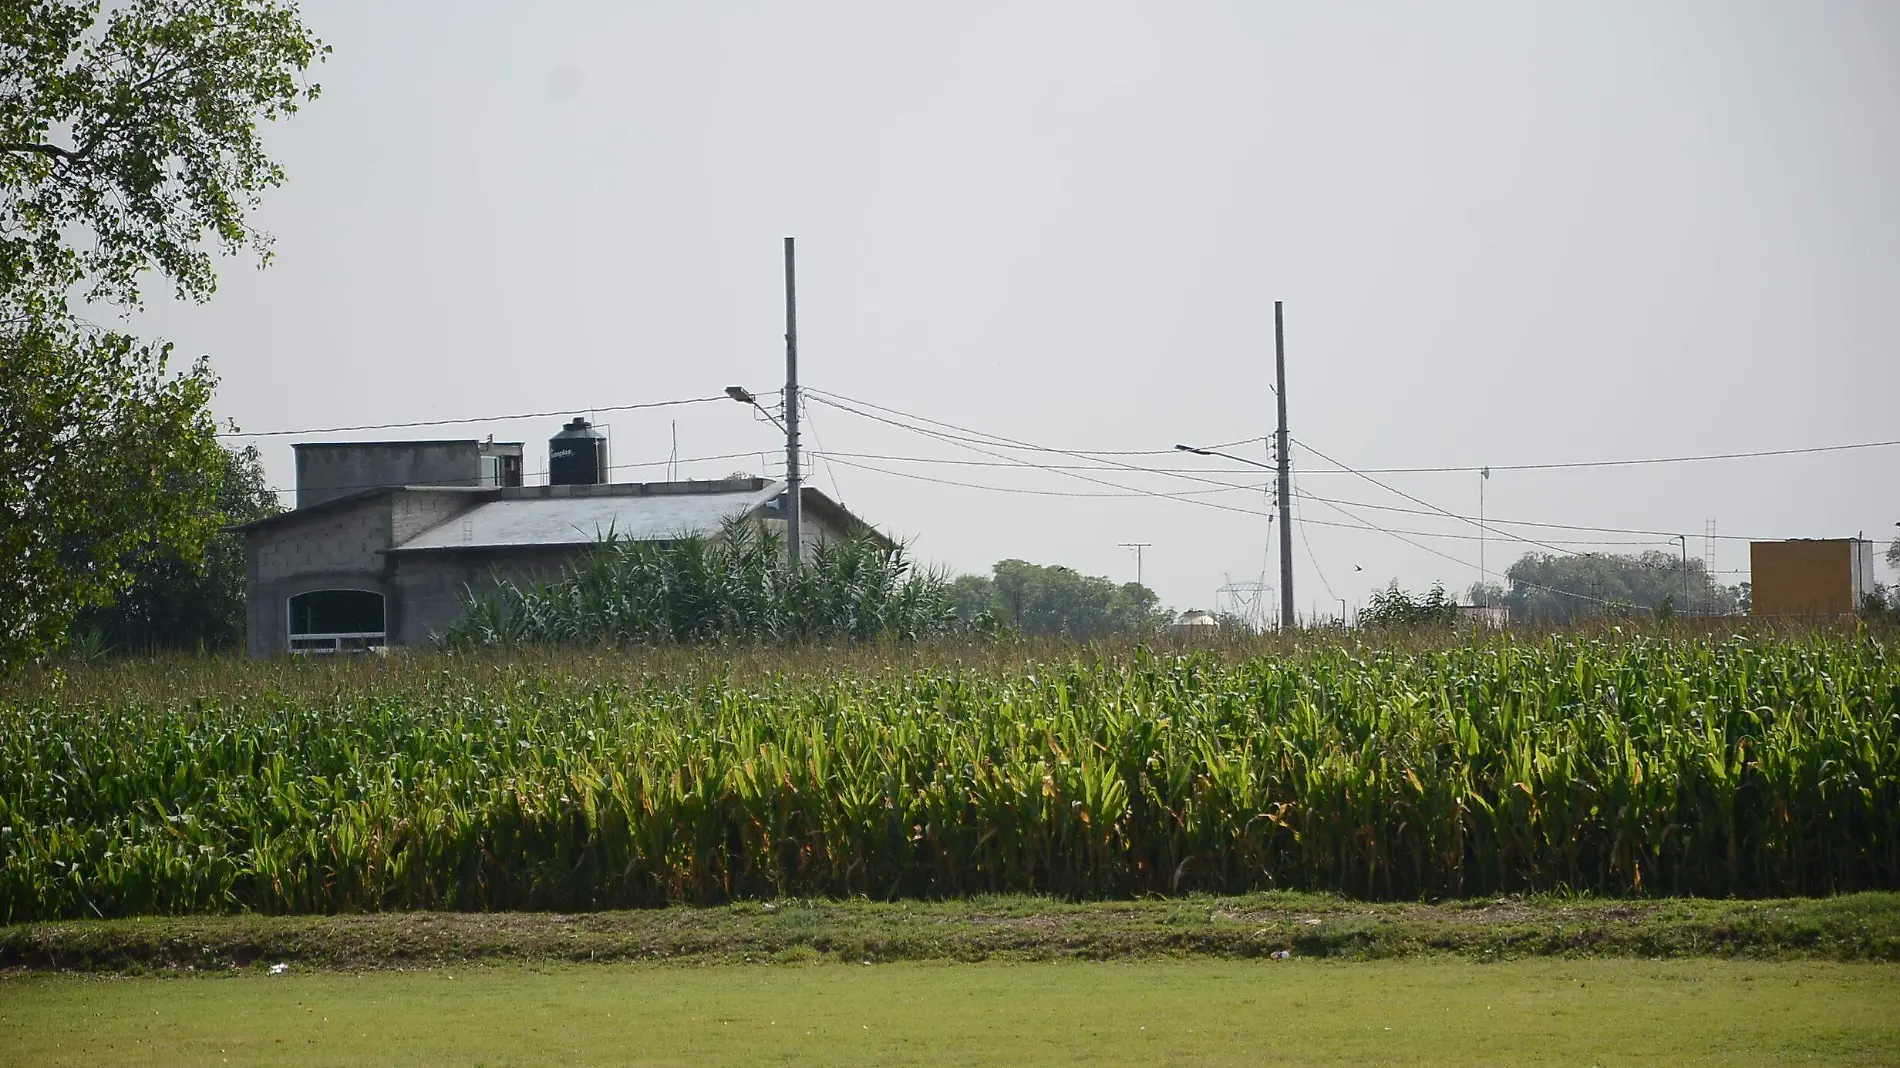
(102,454)
(128,147)
(1548,588)
(184,603)
(1056,601)
(1619,766)
(129,140)
(733,587)
(1486,593)
(1393,607)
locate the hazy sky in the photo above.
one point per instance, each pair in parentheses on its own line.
(1505,234)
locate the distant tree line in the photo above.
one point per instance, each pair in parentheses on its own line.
(1548,588)
(1056,601)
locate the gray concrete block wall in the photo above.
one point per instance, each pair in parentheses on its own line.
(413,511)
(340,548)
(326,471)
(435,588)
(343,539)
(814,528)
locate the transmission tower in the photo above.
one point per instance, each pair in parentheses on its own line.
(1250,601)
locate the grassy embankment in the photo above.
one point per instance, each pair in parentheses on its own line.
(1859,927)
(1420,1012)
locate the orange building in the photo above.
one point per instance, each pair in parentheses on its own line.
(1810,577)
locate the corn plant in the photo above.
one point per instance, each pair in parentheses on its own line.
(1645,764)
(733,587)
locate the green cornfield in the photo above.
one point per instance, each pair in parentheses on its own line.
(1621,764)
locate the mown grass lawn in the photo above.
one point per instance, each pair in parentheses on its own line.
(1426,1011)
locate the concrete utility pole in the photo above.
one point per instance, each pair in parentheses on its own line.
(1483,577)
(794,485)
(1685,573)
(1286,475)
(1137,546)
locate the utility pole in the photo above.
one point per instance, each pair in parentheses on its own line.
(1286,474)
(1137,546)
(794,488)
(1483,578)
(1684,538)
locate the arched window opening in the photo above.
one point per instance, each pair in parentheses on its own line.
(337,621)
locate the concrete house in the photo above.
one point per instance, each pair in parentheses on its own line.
(388,539)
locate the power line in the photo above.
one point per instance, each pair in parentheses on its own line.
(1025,491)
(1490,522)
(976,443)
(1447,556)
(1185,496)
(1758,454)
(1314,557)
(1012,463)
(966,437)
(985,438)
(1479,524)
(830,468)
(472,419)
(951,461)
(966,440)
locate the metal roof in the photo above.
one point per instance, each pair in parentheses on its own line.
(529,522)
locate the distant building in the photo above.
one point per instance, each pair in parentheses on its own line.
(1494,616)
(1194,623)
(1809,577)
(375,556)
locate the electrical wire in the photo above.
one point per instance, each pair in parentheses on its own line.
(1447,556)
(1033,492)
(471,419)
(1641,461)
(977,444)
(1361,523)
(951,461)
(830,468)
(966,443)
(1304,540)
(1480,524)
(1131,491)
(998,440)
(965,437)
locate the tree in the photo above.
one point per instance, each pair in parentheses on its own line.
(178,602)
(1893,554)
(129,144)
(1055,600)
(1485,593)
(1550,588)
(128,147)
(101,450)
(1393,607)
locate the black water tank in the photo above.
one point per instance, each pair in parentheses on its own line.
(577,456)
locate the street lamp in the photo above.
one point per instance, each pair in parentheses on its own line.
(746,396)
(1224,456)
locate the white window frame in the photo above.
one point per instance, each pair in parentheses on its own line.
(313,644)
